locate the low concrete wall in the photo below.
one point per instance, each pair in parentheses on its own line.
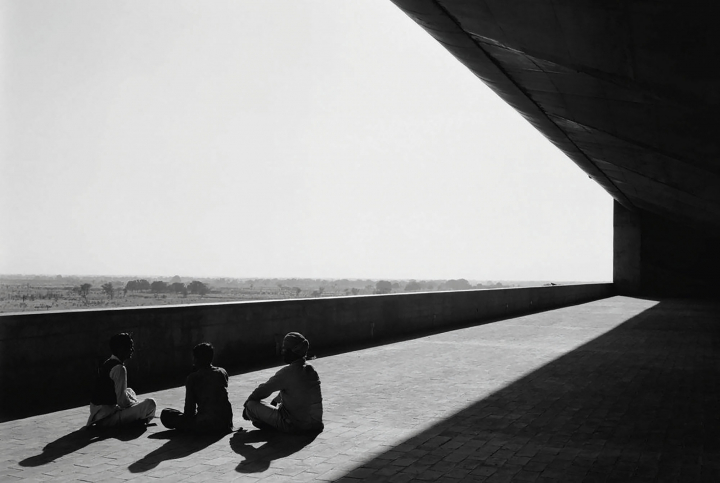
(48,359)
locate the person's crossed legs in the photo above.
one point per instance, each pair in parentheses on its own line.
(260,412)
(138,412)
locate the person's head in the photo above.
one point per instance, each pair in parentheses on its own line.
(121,346)
(203,354)
(294,347)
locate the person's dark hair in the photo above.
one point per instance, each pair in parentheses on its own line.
(295,346)
(120,342)
(289,357)
(204,353)
(297,343)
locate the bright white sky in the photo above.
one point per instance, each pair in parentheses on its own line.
(321,139)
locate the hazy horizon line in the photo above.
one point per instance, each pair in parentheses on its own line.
(143,276)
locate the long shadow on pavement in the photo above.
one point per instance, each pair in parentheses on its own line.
(179,445)
(639,403)
(274,445)
(78,440)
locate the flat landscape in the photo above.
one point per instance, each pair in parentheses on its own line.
(39,293)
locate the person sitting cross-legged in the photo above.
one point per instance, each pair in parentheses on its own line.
(298,406)
(207,407)
(112,403)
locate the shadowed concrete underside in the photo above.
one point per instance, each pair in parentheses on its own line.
(625,90)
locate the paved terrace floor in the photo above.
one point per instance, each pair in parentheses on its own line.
(620,389)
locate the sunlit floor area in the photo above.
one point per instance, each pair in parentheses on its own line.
(621,389)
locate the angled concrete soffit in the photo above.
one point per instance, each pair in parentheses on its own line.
(621,109)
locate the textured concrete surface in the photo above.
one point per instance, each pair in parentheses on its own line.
(619,389)
(59,350)
(620,88)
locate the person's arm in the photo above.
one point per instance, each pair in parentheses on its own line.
(124,395)
(275,383)
(190,400)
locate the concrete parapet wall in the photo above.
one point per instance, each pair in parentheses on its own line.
(48,359)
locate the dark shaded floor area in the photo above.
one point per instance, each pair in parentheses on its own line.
(638,403)
(621,389)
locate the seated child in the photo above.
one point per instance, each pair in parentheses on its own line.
(207,407)
(299,402)
(113,403)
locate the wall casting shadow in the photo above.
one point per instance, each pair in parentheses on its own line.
(78,440)
(276,445)
(179,445)
(639,403)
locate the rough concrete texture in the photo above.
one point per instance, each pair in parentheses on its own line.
(620,389)
(621,88)
(59,351)
(657,257)
(627,250)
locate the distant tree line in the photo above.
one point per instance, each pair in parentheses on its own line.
(194,287)
(156,287)
(385,287)
(137,285)
(82,290)
(334,287)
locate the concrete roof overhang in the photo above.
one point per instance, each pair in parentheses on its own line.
(628,90)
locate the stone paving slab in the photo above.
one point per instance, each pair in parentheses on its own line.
(621,389)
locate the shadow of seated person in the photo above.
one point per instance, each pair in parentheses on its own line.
(179,445)
(78,440)
(260,447)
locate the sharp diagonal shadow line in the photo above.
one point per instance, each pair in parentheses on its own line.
(638,403)
(388,340)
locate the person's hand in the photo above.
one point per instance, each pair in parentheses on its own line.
(132,397)
(244,413)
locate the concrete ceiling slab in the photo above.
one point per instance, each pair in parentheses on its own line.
(628,91)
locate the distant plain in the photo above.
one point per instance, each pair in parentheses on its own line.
(40,293)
